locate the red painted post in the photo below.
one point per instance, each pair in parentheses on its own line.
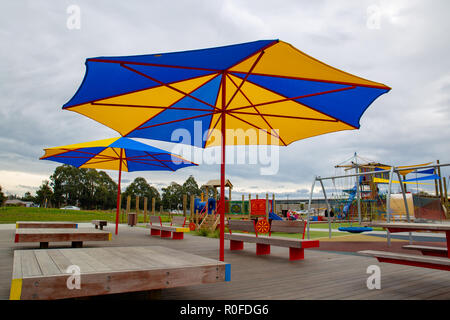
(236,245)
(177,235)
(222,175)
(166,234)
(296,254)
(118,192)
(155,232)
(262,249)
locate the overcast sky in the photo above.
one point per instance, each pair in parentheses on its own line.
(403,44)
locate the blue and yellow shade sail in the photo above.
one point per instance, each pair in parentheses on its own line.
(267,85)
(108,154)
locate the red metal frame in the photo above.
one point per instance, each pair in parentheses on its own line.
(414,263)
(118,191)
(222,175)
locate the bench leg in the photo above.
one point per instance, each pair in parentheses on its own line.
(43,245)
(155,232)
(236,245)
(178,235)
(77,244)
(296,254)
(165,234)
(262,249)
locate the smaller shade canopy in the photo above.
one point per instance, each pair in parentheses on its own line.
(122,154)
(106,154)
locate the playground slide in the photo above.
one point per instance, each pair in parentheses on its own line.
(273,216)
(349,201)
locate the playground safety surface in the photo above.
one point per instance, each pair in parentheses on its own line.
(333,271)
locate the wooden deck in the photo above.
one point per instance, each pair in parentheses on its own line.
(322,275)
(43,274)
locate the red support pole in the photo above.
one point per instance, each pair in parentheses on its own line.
(118,192)
(222,177)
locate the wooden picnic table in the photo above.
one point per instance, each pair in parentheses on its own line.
(45,224)
(433,257)
(44,274)
(395,227)
(76,236)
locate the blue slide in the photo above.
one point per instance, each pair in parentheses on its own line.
(273,216)
(349,201)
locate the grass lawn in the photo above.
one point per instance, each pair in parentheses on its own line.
(14,214)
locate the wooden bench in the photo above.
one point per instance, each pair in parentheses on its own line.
(45,224)
(263,243)
(409,259)
(428,250)
(176,229)
(44,274)
(99,224)
(44,236)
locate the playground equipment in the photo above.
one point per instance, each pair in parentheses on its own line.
(370,202)
(204,212)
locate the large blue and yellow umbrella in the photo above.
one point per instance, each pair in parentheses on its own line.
(267,86)
(120,154)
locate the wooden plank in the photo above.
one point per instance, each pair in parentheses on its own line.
(42,224)
(427,249)
(275,241)
(17,264)
(60,235)
(30,266)
(107,257)
(77,258)
(60,261)
(241,225)
(287,226)
(155,220)
(178,221)
(46,263)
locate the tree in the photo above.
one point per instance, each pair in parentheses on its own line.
(44,194)
(172,196)
(2,197)
(88,188)
(190,188)
(28,197)
(67,185)
(140,187)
